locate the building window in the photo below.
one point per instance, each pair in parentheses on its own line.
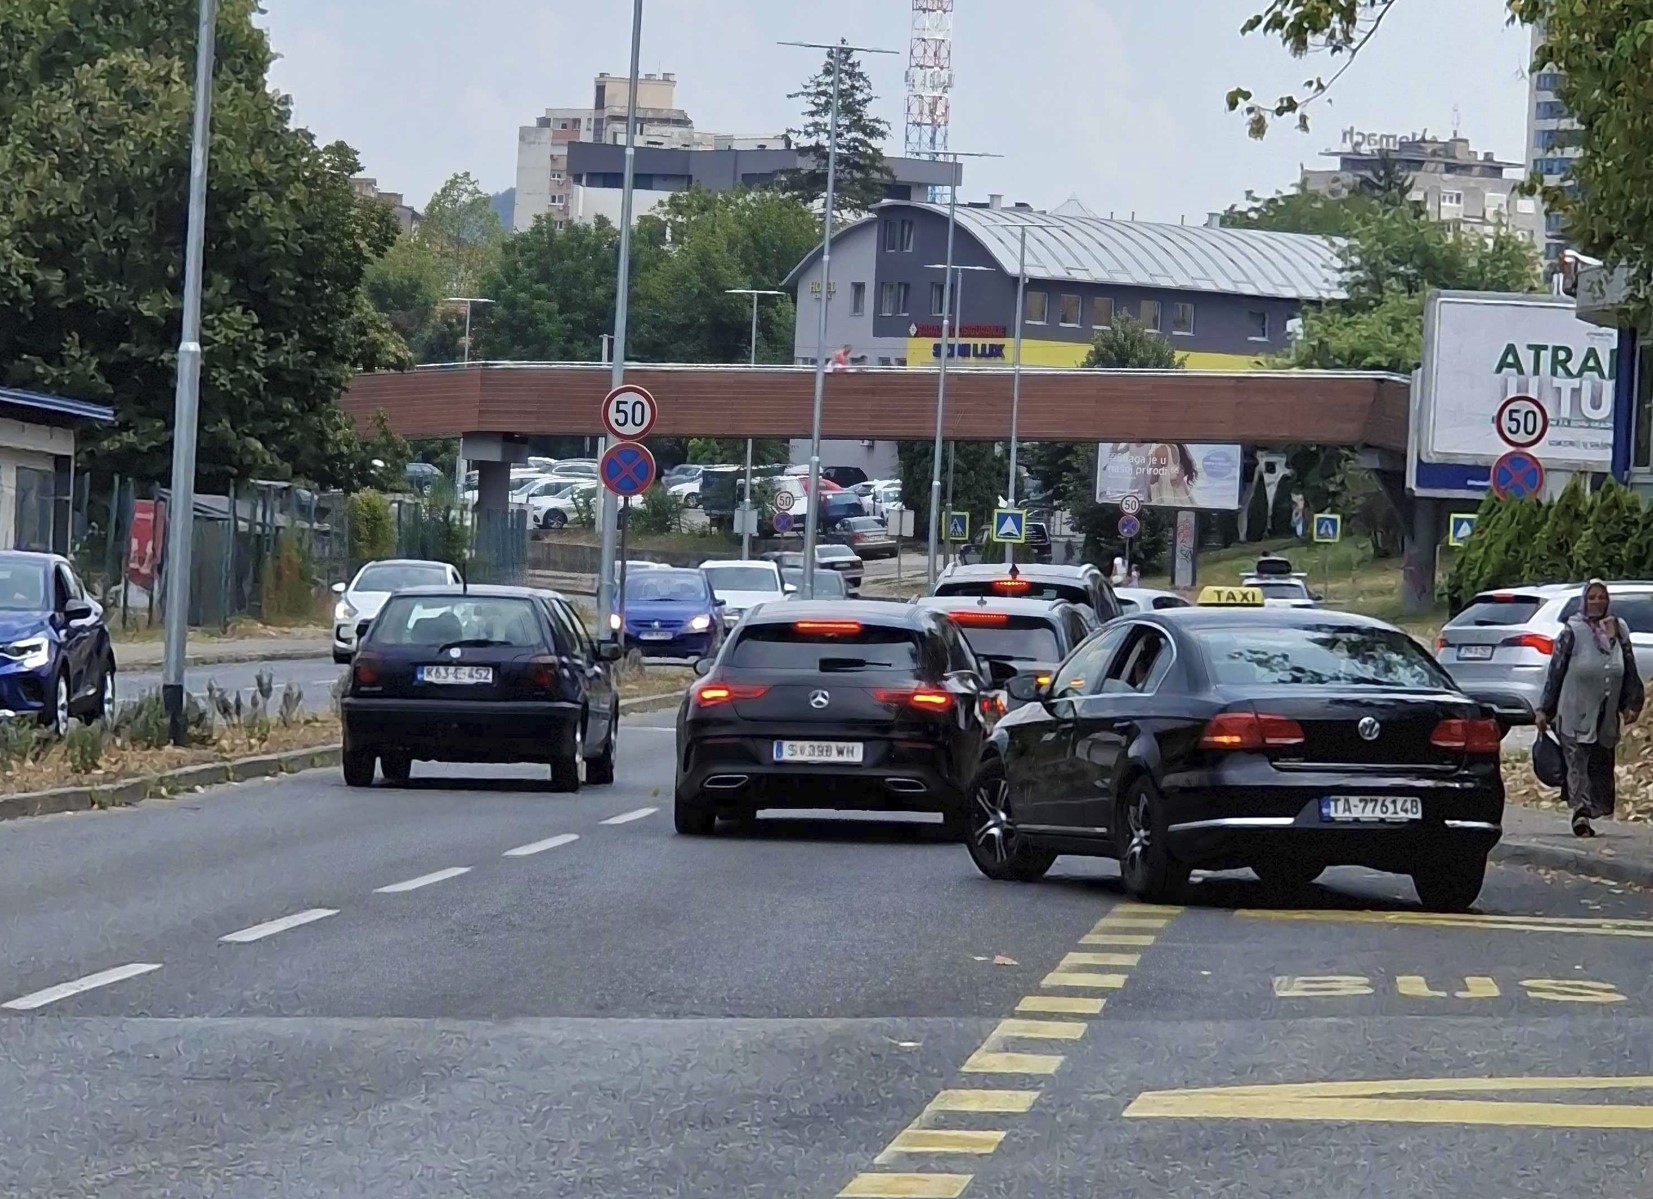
(1182,319)
(883,360)
(1554,222)
(1555,165)
(1256,325)
(889,235)
(1551,110)
(1644,410)
(938,299)
(1102,312)
(1036,307)
(1548,81)
(1451,199)
(33,529)
(857,298)
(886,299)
(907,237)
(1150,315)
(1070,310)
(902,291)
(1545,139)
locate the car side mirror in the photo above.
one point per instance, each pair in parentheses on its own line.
(1000,672)
(1317,596)
(610,651)
(338,588)
(790,588)
(77,610)
(703,667)
(1024,688)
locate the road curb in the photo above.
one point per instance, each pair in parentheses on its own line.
(229,657)
(133,791)
(650,703)
(1582,863)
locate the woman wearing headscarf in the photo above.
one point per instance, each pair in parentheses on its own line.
(1592,683)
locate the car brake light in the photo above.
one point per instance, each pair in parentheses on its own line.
(927,699)
(1250,731)
(365,671)
(972,617)
(1440,642)
(1012,586)
(542,674)
(993,705)
(1544,645)
(1478,736)
(828,628)
(710,695)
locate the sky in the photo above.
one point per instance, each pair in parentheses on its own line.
(1117,102)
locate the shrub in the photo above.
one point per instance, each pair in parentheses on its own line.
(143,723)
(21,740)
(1615,520)
(289,585)
(84,745)
(657,513)
(1552,555)
(372,532)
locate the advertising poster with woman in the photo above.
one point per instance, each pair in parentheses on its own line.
(1169,474)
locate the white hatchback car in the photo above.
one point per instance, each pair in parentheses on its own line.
(362,597)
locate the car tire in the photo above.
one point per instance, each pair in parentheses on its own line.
(57,713)
(690,817)
(990,836)
(103,704)
(553,520)
(1450,886)
(1146,866)
(358,767)
(568,772)
(599,771)
(397,766)
(1287,874)
(341,657)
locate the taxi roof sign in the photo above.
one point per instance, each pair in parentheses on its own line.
(1231,597)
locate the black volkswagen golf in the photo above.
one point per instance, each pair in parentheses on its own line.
(480,674)
(866,705)
(1282,740)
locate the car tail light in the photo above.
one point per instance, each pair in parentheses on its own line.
(1012,586)
(365,671)
(993,705)
(542,673)
(925,699)
(1250,731)
(1544,645)
(710,695)
(972,617)
(1440,642)
(828,628)
(1478,736)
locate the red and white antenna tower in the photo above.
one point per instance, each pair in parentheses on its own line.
(929,78)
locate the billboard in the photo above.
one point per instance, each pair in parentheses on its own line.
(1480,348)
(1169,474)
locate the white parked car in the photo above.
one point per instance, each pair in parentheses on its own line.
(362,597)
(687,494)
(556,509)
(742,586)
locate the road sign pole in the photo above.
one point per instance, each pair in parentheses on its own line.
(620,603)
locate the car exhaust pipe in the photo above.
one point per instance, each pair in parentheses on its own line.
(906,786)
(725,782)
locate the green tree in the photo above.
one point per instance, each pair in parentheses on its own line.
(1552,555)
(554,293)
(462,229)
(372,532)
(1604,550)
(766,451)
(1300,211)
(407,283)
(95,143)
(862,175)
(979,477)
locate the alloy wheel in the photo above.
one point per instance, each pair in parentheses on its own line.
(108,700)
(991,828)
(579,755)
(61,710)
(1139,828)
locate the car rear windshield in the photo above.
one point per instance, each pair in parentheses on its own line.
(1634,608)
(833,551)
(864,524)
(789,647)
(1292,591)
(443,621)
(666,586)
(829,584)
(1023,588)
(742,578)
(399,576)
(1252,655)
(1018,639)
(1498,610)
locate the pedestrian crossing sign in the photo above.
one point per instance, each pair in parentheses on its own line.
(1459,526)
(958,526)
(1328,526)
(1009,525)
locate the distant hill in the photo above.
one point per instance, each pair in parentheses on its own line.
(505,205)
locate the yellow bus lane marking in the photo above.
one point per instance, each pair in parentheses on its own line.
(1380,1102)
(1074,978)
(1476,986)
(906,1186)
(1100,959)
(1585,926)
(943,1140)
(975,1100)
(1050,1030)
(1126,940)
(1071,1005)
(990,1061)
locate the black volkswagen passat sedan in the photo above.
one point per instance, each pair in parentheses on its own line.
(480,674)
(1282,740)
(859,705)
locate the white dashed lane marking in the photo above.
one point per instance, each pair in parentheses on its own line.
(424,880)
(270,928)
(628,817)
(27,1003)
(522,851)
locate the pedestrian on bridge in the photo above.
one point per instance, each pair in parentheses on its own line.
(1591,686)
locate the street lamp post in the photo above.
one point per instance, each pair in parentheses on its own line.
(467,301)
(948,349)
(460,466)
(746,504)
(941,384)
(1016,366)
(186,403)
(838,52)
(622,295)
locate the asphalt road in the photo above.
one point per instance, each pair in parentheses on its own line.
(475,987)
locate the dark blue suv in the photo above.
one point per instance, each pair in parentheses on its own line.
(56,661)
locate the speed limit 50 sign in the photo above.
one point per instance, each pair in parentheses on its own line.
(629,412)
(1522,422)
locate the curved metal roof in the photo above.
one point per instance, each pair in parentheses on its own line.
(1088,249)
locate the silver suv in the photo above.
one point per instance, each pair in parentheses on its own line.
(1503,639)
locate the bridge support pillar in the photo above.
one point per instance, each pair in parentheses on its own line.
(493,455)
(1424,523)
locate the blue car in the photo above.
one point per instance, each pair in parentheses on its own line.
(672,614)
(56,661)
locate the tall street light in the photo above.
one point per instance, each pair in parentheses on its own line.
(186,402)
(460,466)
(950,349)
(622,294)
(941,385)
(746,523)
(838,52)
(467,301)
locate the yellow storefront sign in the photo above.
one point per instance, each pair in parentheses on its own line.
(925,352)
